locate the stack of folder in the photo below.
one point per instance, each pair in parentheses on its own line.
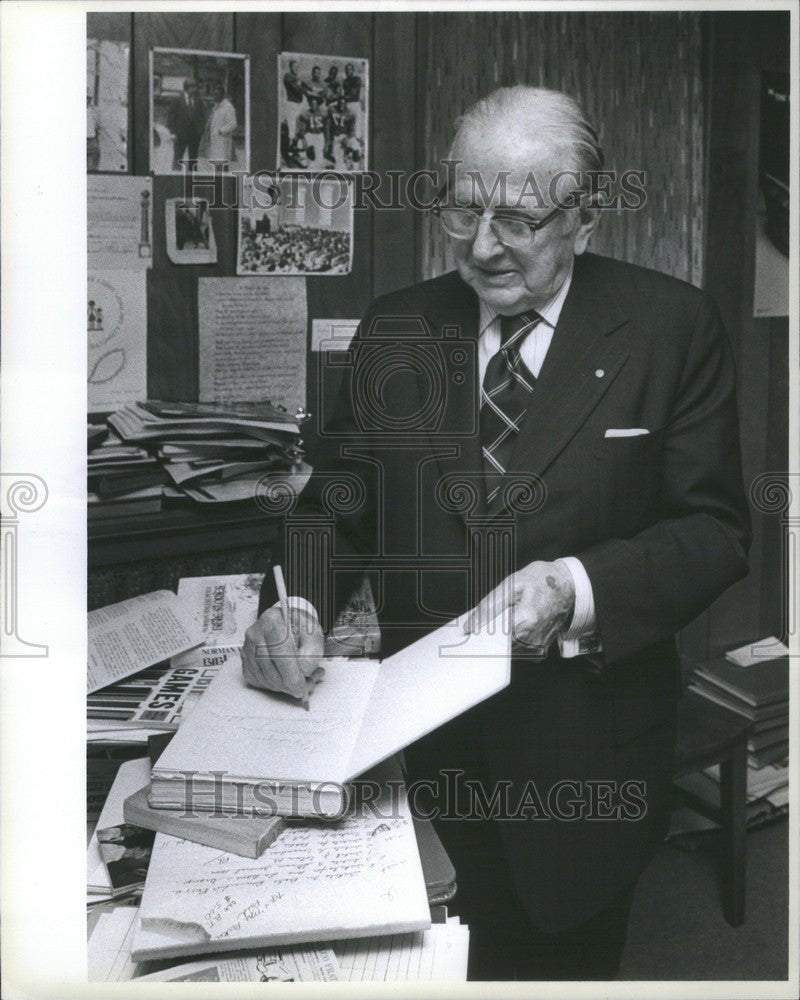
(123,478)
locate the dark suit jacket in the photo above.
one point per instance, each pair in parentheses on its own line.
(659,521)
(187,123)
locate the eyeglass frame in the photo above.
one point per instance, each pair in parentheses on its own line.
(533,225)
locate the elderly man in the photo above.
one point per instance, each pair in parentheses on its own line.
(587,411)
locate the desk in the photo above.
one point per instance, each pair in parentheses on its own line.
(139,553)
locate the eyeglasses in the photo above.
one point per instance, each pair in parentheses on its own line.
(512,231)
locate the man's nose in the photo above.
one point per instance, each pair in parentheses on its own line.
(486,245)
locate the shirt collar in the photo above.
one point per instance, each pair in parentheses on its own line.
(549,313)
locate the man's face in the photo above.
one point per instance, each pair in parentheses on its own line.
(293,68)
(349,69)
(316,74)
(513,280)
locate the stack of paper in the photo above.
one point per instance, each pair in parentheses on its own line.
(212,452)
(122,478)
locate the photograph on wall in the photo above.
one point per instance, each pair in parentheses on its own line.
(771,286)
(323,106)
(107,77)
(199,111)
(299,226)
(190,233)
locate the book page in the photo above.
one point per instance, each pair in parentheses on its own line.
(256,735)
(318,881)
(428,683)
(131,635)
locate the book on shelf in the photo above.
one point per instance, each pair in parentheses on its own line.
(319,881)
(251,749)
(758,685)
(768,755)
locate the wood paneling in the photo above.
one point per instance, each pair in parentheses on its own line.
(639,78)
(395,114)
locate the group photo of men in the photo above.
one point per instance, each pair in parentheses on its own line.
(323,118)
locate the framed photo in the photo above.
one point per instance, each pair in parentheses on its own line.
(323,104)
(199,111)
(301,226)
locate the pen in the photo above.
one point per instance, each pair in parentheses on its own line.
(280,583)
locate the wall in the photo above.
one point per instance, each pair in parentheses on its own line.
(741,46)
(639,78)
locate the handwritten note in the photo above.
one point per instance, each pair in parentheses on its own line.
(253,339)
(358,876)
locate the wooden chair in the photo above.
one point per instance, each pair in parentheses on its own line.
(709,734)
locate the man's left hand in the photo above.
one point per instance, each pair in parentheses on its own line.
(541,597)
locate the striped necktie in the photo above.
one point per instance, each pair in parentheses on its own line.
(507,383)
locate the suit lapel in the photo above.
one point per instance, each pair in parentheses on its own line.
(581,363)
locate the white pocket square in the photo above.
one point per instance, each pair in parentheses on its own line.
(625,432)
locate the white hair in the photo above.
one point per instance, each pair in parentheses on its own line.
(537,114)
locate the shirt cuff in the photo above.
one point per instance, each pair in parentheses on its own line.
(301,604)
(581,637)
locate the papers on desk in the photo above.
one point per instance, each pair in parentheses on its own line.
(438,954)
(301,964)
(125,638)
(109,960)
(319,881)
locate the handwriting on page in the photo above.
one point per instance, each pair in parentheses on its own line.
(222,893)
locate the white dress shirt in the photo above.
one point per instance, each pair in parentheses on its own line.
(581,635)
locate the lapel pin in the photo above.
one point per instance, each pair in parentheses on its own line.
(599,373)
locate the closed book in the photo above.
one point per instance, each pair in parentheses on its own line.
(766,715)
(773,754)
(253,750)
(243,835)
(768,738)
(758,684)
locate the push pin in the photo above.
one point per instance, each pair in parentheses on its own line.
(599,373)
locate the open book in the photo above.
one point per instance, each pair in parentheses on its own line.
(248,751)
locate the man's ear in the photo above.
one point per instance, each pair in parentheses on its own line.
(589,218)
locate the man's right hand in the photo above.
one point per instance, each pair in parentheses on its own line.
(276,661)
